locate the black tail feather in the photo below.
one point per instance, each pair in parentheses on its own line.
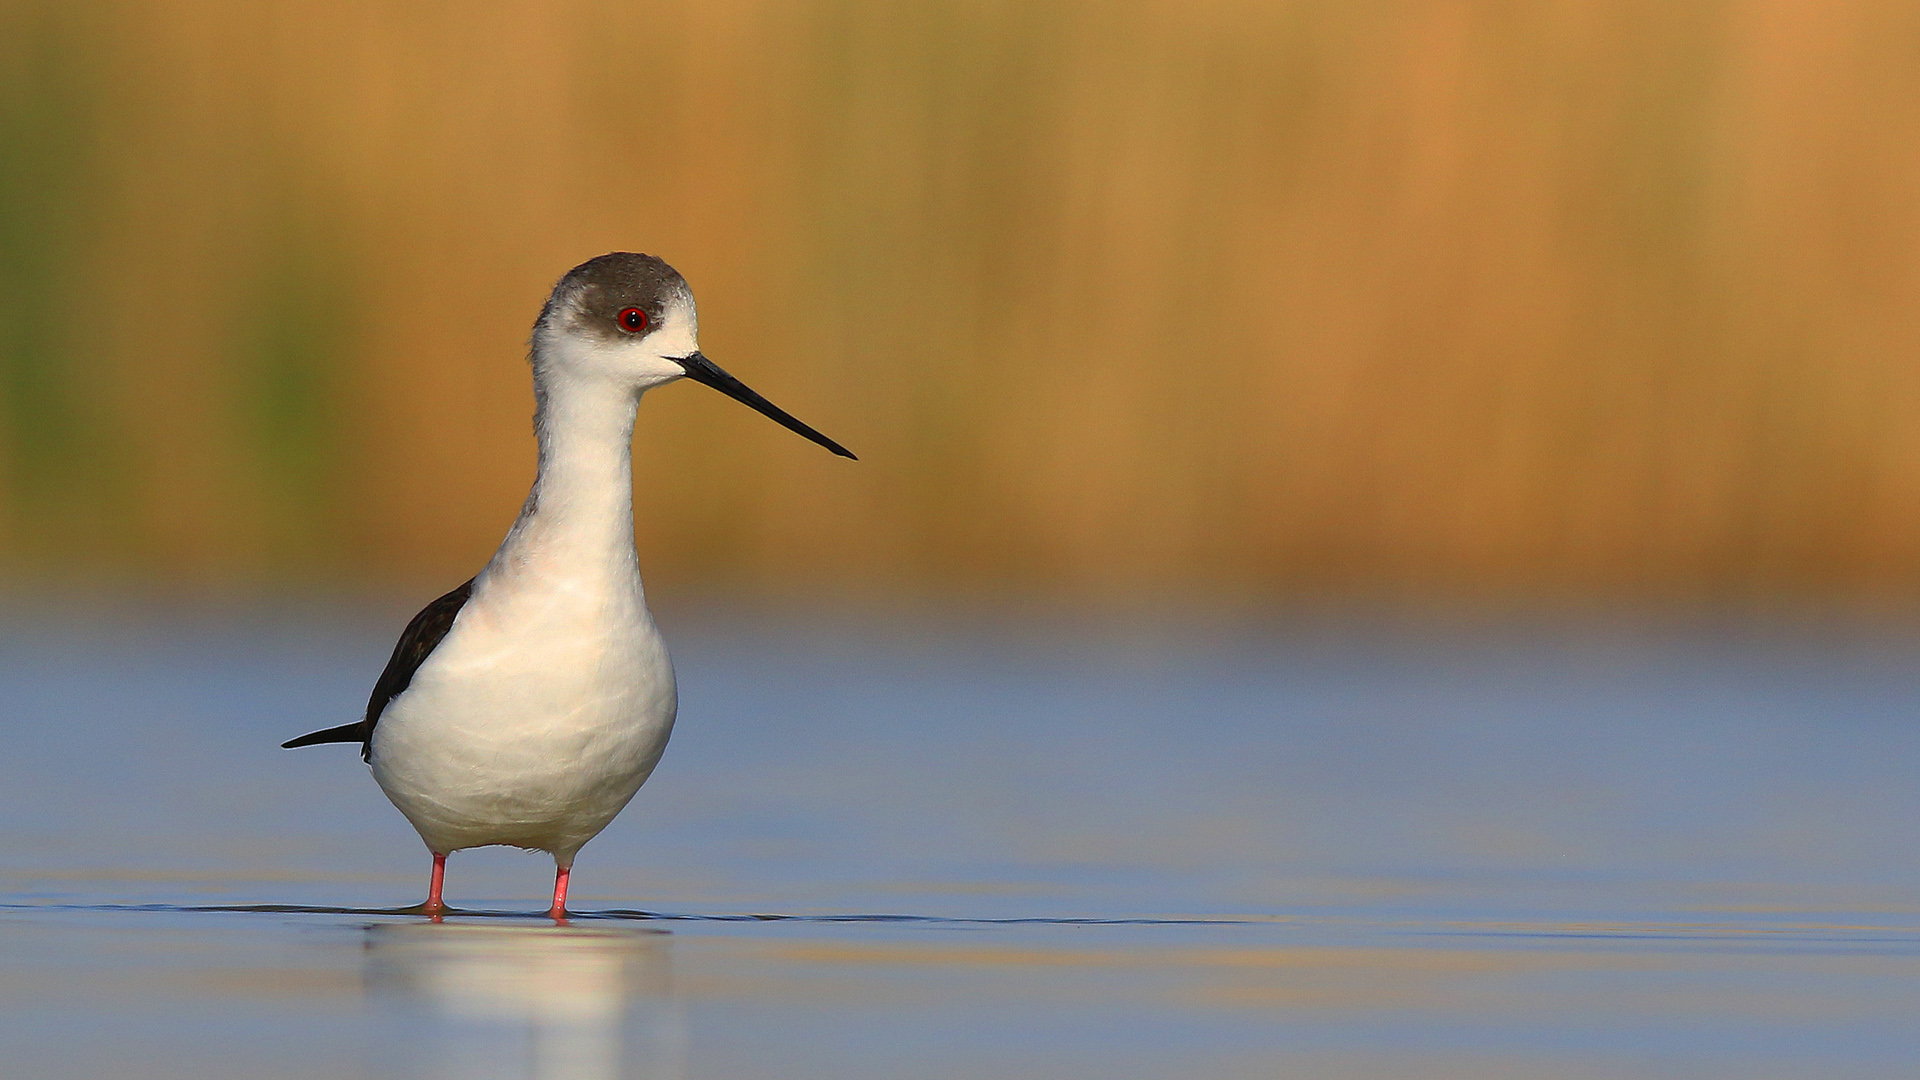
(354,732)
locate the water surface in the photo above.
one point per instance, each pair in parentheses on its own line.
(1340,847)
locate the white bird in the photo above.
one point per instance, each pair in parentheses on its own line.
(527,706)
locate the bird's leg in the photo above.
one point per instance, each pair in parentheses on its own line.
(434,905)
(559,911)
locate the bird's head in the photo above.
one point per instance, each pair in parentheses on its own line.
(629,320)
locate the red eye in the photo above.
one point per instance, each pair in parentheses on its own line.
(633,320)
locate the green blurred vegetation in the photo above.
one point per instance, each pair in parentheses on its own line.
(65,482)
(294,342)
(1244,299)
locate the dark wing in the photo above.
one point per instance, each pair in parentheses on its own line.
(417,642)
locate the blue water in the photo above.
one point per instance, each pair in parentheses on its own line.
(1022,846)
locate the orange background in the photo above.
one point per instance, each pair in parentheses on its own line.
(1216,297)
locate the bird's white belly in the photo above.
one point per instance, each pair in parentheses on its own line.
(533,732)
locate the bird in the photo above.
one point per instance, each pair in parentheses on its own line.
(527,706)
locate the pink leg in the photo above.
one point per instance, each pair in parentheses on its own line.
(434,905)
(559,911)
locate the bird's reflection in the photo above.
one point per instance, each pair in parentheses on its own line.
(534,1002)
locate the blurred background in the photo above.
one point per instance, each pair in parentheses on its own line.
(1220,298)
(1549,364)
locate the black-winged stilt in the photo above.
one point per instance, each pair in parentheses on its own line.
(527,706)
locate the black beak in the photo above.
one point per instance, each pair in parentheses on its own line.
(707,373)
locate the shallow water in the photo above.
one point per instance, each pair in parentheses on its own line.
(1329,847)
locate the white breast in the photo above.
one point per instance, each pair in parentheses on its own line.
(536,719)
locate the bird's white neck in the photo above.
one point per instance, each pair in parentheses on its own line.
(578,520)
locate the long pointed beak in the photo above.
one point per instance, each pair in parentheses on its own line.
(707,373)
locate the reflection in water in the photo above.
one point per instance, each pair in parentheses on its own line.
(534,1002)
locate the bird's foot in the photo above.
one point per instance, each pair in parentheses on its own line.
(432,911)
(559,910)
(435,907)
